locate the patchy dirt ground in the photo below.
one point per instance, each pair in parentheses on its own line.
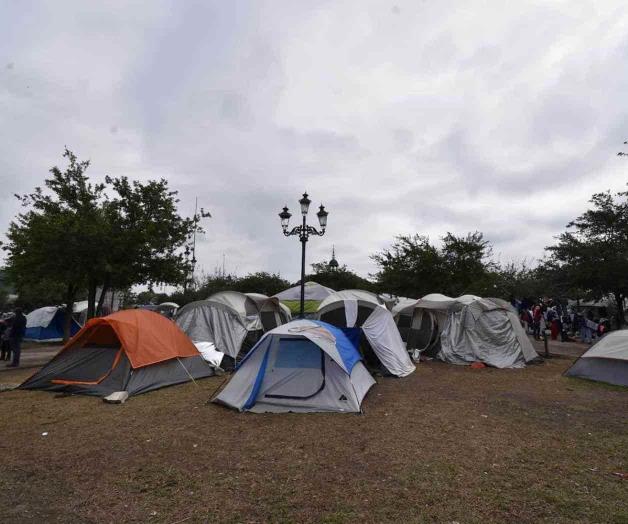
(445,444)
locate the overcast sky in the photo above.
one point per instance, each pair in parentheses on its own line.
(401,117)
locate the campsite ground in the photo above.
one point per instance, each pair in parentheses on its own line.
(447,444)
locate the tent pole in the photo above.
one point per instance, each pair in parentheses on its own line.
(303,241)
(188,373)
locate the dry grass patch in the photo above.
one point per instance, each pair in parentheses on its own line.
(445,444)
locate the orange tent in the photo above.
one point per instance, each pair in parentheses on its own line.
(134,351)
(146,337)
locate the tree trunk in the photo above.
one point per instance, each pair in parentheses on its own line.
(91,299)
(69,310)
(619,304)
(103,292)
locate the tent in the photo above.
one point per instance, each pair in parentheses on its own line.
(167,309)
(303,366)
(272,313)
(133,351)
(80,312)
(403,315)
(218,324)
(243,305)
(351,294)
(382,344)
(46,324)
(467,329)
(605,361)
(314,295)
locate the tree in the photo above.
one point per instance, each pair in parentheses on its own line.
(145,236)
(593,254)
(338,278)
(56,240)
(79,237)
(414,267)
(466,260)
(261,282)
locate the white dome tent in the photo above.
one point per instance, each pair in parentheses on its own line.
(345,310)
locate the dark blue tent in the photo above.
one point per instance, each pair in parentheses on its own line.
(46,324)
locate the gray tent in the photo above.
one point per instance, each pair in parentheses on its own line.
(272,312)
(303,366)
(215,322)
(606,361)
(243,305)
(467,329)
(382,343)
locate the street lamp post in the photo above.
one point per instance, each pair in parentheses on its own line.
(303,231)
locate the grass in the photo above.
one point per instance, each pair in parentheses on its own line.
(447,444)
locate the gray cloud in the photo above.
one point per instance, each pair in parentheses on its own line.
(414,117)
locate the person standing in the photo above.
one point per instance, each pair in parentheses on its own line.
(523,318)
(537,315)
(5,332)
(18,330)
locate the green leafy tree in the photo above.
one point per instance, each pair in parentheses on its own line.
(55,241)
(145,236)
(467,264)
(593,254)
(414,267)
(338,278)
(76,236)
(261,282)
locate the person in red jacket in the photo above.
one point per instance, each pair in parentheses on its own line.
(537,316)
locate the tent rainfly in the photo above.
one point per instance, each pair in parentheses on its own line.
(242,305)
(303,366)
(272,313)
(206,321)
(314,295)
(377,324)
(132,351)
(466,329)
(605,361)
(46,324)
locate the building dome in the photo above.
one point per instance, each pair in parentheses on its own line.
(333,263)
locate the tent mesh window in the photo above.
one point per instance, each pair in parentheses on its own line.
(89,364)
(298,371)
(335,317)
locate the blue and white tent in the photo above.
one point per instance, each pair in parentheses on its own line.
(46,325)
(303,366)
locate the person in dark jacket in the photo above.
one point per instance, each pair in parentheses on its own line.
(18,330)
(5,332)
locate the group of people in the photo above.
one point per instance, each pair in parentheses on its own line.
(12,331)
(560,321)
